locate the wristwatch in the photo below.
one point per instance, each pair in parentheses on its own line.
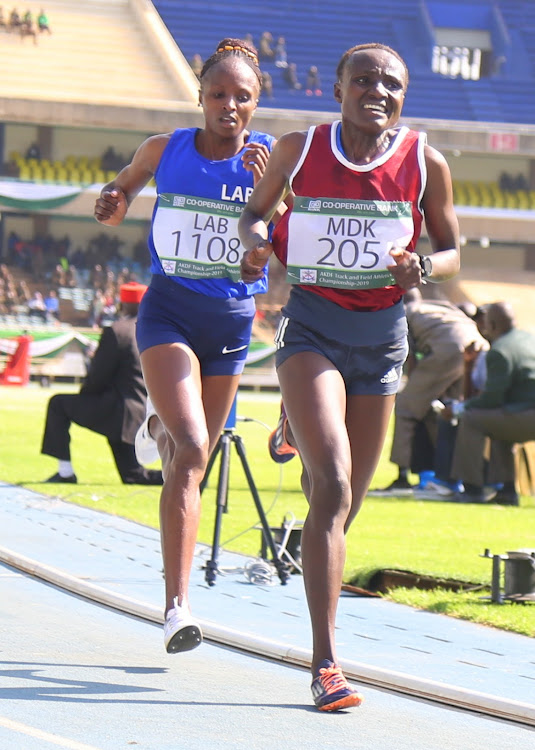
(426,265)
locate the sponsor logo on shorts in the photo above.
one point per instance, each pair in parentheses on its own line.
(391,376)
(225,350)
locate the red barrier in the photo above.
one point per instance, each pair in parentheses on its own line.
(17,371)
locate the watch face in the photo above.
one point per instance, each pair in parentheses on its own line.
(427,265)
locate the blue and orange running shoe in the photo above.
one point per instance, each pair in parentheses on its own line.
(280,449)
(331,691)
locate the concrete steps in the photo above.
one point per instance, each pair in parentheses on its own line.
(97,52)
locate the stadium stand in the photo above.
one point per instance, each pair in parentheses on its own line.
(316,33)
(110,48)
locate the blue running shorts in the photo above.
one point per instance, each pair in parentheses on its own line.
(367,348)
(216,329)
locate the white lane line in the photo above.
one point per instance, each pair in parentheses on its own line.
(54,739)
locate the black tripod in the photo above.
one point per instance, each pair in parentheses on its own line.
(227,437)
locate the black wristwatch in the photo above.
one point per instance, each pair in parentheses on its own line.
(426,265)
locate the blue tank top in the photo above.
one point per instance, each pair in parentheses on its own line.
(182,170)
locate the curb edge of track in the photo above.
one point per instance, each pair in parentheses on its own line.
(419,687)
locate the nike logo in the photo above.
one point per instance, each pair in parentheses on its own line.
(230,351)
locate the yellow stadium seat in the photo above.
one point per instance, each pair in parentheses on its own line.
(74,177)
(61,175)
(36,173)
(510,200)
(99,176)
(522,200)
(24,173)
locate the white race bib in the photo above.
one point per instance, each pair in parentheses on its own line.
(345,243)
(197,237)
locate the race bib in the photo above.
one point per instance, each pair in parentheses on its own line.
(197,237)
(345,244)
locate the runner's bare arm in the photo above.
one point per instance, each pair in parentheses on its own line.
(442,228)
(268,194)
(440,218)
(115,197)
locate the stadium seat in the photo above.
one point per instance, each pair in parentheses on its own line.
(24,173)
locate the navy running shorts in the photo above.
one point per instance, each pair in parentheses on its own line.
(369,349)
(216,329)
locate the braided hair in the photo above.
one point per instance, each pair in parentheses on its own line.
(372,45)
(234,48)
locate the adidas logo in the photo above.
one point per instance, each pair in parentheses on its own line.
(390,376)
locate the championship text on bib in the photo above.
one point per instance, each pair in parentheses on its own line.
(344,243)
(197,237)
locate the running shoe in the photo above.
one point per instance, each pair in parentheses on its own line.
(280,449)
(398,488)
(180,631)
(331,691)
(145,445)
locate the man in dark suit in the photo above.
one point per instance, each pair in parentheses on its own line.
(504,411)
(111,401)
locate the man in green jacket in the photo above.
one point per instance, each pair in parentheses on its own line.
(504,411)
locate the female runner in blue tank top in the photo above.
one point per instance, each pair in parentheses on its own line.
(195,320)
(360,190)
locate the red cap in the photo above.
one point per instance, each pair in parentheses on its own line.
(132,292)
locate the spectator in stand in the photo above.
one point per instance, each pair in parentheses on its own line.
(23,292)
(265,49)
(52,305)
(37,307)
(58,276)
(97,276)
(15,21)
(505,182)
(109,309)
(291,78)
(95,311)
(42,22)
(520,182)
(27,27)
(112,401)
(281,56)
(33,152)
(4,309)
(267,85)
(313,82)
(111,160)
(196,64)
(3,24)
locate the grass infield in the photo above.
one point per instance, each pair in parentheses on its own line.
(436,539)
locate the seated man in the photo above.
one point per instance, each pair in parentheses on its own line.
(439,333)
(504,411)
(111,401)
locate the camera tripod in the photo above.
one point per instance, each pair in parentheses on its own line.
(223,448)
